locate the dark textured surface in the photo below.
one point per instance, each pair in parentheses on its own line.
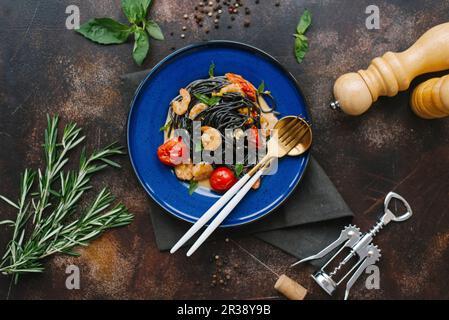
(45,68)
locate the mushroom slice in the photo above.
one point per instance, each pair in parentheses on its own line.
(180,107)
(210,138)
(196,110)
(202,171)
(184,171)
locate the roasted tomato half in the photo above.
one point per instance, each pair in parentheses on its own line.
(222,179)
(246,86)
(173,152)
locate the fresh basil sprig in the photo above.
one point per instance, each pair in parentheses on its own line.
(108,31)
(261,88)
(206,100)
(193,186)
(165,126)
(301,41)
(211,70)
(238,169)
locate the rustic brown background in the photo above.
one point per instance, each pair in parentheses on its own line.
(45,68)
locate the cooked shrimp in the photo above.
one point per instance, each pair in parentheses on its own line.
(211,138)
(265,124)
(180,107)
(230,88)
(256,185)
(196,110)
(202,171)
(184,171)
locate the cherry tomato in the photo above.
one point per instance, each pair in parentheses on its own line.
(173,152)
(222,179)
(246,86)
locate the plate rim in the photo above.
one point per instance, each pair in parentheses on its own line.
(206,44)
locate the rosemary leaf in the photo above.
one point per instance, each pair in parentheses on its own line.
(54,227)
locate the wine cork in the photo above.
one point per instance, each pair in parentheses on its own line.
(290,288)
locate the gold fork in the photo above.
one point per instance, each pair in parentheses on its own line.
(290,132)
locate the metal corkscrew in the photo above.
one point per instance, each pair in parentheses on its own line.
(360,245)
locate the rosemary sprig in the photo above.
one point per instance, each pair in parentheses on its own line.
(46,221)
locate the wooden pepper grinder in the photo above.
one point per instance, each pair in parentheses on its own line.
(393,72)
(430,100)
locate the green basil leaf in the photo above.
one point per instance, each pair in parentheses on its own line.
(198,147)
(211,70)
(304,22)
(141,46)
(166,126)
(105,31)
(261,88)
(238,169)
(154,30)
(206,100)
(301,47)
(193,186)
(135,10)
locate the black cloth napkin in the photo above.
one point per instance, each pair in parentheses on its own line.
(310,219)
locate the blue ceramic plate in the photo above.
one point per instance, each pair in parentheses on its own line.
(149,111)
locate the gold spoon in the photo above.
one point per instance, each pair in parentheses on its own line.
(289,132)
(292,136)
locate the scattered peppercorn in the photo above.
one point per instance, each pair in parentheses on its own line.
(246,24)
(277,4)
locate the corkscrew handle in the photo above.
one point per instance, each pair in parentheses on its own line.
(389,215)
